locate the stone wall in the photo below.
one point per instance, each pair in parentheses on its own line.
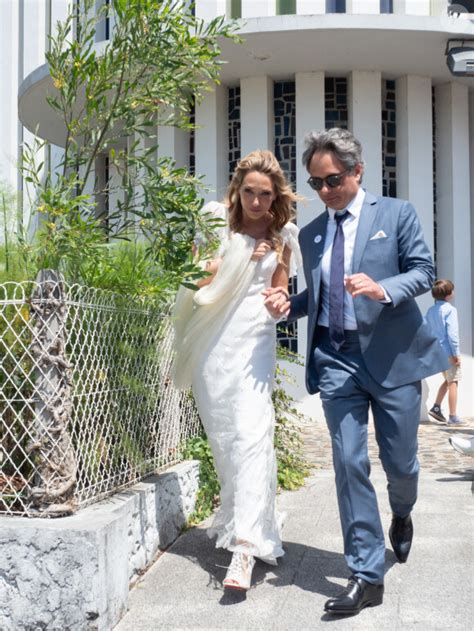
(75,572)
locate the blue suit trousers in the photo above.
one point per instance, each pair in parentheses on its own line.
(347,391)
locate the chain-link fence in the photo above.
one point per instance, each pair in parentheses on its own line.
(86,401)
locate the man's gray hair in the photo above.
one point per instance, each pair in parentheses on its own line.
(344,145)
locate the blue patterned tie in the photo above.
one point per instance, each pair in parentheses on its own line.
(336,285)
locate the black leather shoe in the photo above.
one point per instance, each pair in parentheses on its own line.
(401,535)
(357,595)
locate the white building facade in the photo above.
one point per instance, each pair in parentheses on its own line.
(377,67)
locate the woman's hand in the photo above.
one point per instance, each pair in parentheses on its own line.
(262,247)
(276,301)
(211,268)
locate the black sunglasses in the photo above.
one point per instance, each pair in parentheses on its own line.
(332,181)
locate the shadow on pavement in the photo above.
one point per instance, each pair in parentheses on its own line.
(462,476)
(312,569)
(308,568)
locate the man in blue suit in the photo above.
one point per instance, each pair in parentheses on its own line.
(365,261)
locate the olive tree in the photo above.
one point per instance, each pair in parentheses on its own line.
(110,97)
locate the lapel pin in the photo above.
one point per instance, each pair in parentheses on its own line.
(317,238)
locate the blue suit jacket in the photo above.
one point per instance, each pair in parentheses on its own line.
(396,344)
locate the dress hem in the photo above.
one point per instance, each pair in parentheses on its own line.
(249,548)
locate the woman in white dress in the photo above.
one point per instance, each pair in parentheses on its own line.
(226,349)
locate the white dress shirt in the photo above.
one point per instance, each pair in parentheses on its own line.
(349,228)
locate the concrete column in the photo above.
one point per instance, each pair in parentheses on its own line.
(256,114)
(471,136)
(8,103)
(310,7)
(310,116)
(106,26)
(365,122)
(438,7)
(89,187)
(415,153)
(211,142)
(32,45)
(56,11)
(454,260)
(174,143)
(59,10)
(34,34)
(258,8)
(116,194)
(55,157)
(101,26)
(137,146)
(362,6)
(209,9)
(413,7)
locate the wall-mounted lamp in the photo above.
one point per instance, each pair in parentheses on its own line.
(460,59)
(456,7)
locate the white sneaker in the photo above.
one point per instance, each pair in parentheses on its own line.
(465,446)
(239,574)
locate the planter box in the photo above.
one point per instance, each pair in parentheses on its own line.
(75,572)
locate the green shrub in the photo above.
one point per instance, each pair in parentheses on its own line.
(207,499)
(292,466)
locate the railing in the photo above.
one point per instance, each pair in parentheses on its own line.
(86,401)
(208,9)
(245,9)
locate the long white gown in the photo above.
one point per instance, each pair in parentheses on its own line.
(232,385)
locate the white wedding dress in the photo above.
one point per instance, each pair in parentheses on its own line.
(225,348)
(232,384)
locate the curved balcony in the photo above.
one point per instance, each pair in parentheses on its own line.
(280,45)
(337,43)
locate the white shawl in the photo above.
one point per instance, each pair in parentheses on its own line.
(198,316)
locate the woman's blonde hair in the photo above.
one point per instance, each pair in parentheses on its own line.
(282,212)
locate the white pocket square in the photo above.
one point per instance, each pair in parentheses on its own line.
(378,235)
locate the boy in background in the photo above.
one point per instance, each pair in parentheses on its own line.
(443,320)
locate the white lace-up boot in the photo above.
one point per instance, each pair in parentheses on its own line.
(239,573)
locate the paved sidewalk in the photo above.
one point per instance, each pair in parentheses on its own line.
(434,451)
(433,591)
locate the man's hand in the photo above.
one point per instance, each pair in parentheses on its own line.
(276,301)
(455,360)
(362,285)
(262,246)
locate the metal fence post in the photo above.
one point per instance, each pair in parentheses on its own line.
(55,461)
